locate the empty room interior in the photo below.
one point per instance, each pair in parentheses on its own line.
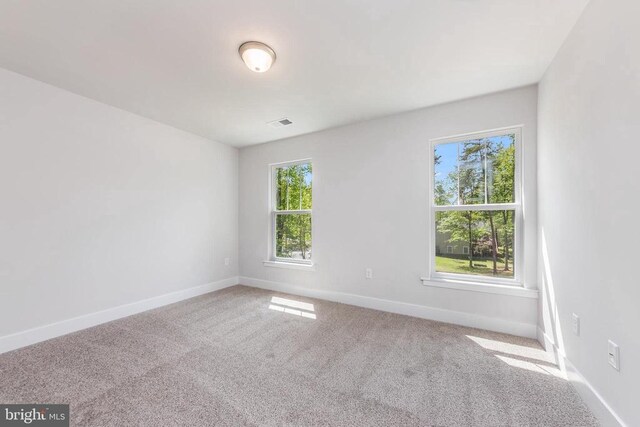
(314,213)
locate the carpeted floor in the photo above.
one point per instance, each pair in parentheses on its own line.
(243,356)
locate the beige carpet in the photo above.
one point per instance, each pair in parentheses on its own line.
(241,357)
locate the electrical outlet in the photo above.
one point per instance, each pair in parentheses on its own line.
(227,261)
(368,273)
(575,322)
(614,355)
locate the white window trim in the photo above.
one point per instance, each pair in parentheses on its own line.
(273,260)
(489,288)
(465,250)
(452,280)
(290,265)
(449,247)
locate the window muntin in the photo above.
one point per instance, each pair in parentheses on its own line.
(476,207)
(292,211)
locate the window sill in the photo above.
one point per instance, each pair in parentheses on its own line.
(290,265)
(513,290)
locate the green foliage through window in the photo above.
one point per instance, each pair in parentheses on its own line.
(478,171)
(293,236)
(488,234)
(293,187)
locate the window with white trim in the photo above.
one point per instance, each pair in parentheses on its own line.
(291,211)
(476,205)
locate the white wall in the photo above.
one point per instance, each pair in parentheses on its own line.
(100,207)
(370,204)
(589,127)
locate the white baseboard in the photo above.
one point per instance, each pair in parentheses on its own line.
(52,330)
(590,396)
(415,310)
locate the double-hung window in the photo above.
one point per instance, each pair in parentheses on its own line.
(291,211)
(476,206)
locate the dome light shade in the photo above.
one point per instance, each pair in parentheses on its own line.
(258,56)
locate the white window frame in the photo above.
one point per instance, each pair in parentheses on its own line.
(518,258)
(449,249)
(465,250)
(273,259)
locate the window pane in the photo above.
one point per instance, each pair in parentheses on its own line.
(293,187)
(474,172)
(501,166)
(293,236)
(475,242)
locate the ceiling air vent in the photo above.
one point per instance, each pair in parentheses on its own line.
(280,123)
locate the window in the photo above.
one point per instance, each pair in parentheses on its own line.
(291,217)
(476,205)
(449,249)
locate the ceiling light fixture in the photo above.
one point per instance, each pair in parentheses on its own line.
(258,56)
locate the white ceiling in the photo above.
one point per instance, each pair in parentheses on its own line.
(338,62)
